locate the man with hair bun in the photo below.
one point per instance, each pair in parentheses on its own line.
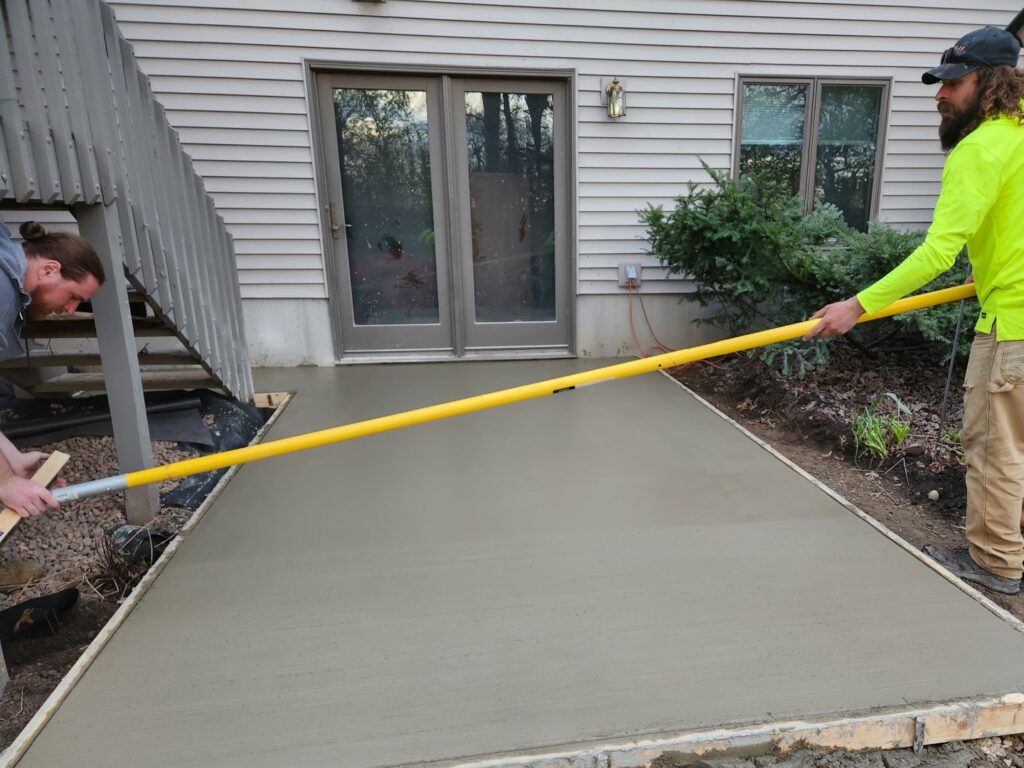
(981,205)
(48,273)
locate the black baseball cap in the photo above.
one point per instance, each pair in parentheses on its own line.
(985,47)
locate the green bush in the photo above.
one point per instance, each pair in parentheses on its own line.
(758,262)
(741,241)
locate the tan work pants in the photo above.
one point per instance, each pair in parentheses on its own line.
(993,440)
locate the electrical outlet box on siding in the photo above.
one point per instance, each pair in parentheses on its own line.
(630,271)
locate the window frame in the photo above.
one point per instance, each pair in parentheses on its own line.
(812,113)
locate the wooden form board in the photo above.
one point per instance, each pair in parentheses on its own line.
(269,399)
(905,729)
(958,721)
(45,475)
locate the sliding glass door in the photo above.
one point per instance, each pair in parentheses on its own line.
(447,223)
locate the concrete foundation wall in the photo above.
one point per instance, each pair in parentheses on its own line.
(288,332)
(603,327)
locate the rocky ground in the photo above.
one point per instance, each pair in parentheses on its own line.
(72,548)
(996,752)
(68,542)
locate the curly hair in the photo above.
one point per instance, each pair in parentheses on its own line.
(1000,90)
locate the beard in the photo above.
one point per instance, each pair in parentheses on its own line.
(43,303)
(957,123)
(36,312)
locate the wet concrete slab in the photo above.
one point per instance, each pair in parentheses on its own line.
(613,562)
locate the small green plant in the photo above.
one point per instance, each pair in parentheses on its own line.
(878,433)
(869,432)
(951,435)
(795,357)
(900,430)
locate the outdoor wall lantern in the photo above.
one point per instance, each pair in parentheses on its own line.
(616,98)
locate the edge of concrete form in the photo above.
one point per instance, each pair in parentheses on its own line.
(10,756)
(886,729)
(911,728)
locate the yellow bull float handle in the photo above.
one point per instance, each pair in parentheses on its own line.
(482,402)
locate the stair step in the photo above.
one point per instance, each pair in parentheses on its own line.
(183,378)
(85,328)
(83,359)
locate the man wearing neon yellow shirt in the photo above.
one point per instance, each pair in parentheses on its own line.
(981,205)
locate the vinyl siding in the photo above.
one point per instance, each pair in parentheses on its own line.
(230,75)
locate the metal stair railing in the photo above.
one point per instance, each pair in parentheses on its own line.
(81,129)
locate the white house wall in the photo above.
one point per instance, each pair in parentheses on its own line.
(230,74)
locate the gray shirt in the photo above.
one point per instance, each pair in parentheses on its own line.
(13,299)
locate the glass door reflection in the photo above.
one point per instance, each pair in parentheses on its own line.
(446,215)
(510,157)
(384,153)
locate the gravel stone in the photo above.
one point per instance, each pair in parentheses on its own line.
(66,541)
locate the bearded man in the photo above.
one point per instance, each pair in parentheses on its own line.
(981,205)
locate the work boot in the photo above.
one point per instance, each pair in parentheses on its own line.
(15,574)
(960,563)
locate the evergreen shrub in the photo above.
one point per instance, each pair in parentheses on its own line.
(758,262)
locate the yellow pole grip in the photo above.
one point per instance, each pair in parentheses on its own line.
(518,394)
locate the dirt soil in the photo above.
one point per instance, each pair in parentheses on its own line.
(38,664)
(916,490)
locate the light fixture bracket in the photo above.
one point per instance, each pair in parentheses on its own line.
(614,97)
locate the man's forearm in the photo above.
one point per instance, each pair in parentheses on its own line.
(920,268)
(21,494)
(7,470)
(8,450)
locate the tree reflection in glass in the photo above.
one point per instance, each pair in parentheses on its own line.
(772,138)
(844,170)
(383,144)
(772,132)
(510,149)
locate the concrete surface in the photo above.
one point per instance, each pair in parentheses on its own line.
(610,562)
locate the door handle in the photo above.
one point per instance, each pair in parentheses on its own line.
(335,226)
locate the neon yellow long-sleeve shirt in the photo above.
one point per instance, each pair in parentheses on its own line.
(981,204)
